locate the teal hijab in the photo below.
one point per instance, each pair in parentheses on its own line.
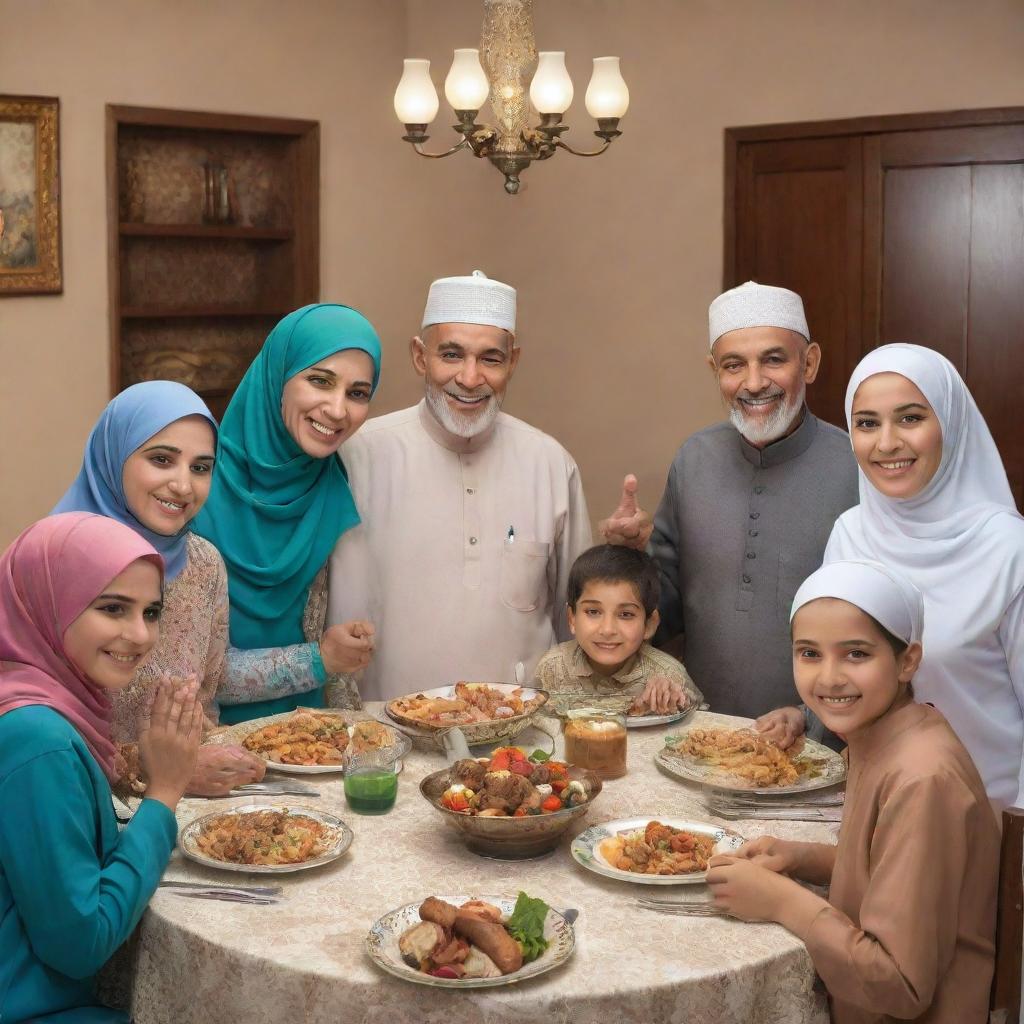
(274,512)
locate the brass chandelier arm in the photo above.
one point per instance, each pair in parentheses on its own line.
(418,146)
(579,152)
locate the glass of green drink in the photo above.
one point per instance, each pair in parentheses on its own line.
(371,780)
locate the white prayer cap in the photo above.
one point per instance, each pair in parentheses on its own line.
(756,305)
(471,300)
(884,594)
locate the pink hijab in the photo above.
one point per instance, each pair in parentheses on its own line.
(48,577)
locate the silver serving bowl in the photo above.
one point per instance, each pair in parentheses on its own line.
(476,733)
(510,838)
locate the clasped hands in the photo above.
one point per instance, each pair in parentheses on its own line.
(752,884)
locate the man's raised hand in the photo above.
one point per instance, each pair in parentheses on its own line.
(629,525)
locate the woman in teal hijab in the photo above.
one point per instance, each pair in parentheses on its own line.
(280,498)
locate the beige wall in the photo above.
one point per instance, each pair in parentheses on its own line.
(615,258)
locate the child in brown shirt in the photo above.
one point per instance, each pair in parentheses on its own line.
(907,931)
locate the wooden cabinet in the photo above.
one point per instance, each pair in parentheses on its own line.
(906,228)
(198,280)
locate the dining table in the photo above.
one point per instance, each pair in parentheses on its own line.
(305,957)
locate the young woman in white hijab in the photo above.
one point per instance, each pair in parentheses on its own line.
(936,505)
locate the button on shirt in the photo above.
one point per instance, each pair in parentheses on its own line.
(738,530)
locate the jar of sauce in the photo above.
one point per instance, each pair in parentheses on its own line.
(596,740)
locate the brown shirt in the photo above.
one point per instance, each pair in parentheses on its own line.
(909,934)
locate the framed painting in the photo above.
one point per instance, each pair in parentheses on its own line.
(30,259)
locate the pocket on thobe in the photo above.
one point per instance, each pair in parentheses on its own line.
(524,574)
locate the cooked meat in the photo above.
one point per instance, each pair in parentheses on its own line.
(420,941)
(454,953)
(438,911)
(488,911)
(491,938)
(469,772)
(540,775)
(504,791)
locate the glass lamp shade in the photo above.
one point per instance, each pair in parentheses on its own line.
(416,98)
(607,95)
(551,89)
(466,86)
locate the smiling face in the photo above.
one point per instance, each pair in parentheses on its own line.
(325,404)
(845,669)
(467,368)
(609,624)
(108,641)
(897,438)
(763,373)
(166,480)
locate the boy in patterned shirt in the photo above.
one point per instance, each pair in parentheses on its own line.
(612,602)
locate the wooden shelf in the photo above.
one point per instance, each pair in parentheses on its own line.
(173,312)
(187,294)
(206,231)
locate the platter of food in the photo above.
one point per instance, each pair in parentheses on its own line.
(461,942)
(265,839)
(312,741)
(485,712)
(742,760)
(509,806)
(653,851)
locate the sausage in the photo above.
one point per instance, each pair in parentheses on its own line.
(492,939)
(438,911)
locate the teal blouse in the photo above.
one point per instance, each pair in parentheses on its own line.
(72,888)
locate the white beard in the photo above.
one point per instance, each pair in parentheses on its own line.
(764,431)
(459,424)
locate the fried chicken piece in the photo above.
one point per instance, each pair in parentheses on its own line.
(469,772)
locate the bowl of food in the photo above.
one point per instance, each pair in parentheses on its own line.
(485,712)
(466,942)
(508,806)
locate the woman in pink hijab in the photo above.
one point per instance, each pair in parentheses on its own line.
(80,600)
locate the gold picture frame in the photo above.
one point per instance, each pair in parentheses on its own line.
(30,245)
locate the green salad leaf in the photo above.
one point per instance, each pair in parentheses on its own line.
(526,926)
(540,756)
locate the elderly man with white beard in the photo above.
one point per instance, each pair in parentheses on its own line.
(471,518)
(748,507)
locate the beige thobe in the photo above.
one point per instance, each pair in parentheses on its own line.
(463,555)
(909,934)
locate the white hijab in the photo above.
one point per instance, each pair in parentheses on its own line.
(939,536)
(961,542)
(887,596)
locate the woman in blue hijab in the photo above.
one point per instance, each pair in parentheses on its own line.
(281,499)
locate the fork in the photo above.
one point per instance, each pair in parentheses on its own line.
(225,896)
(276,788)
(686,909)
(247,890)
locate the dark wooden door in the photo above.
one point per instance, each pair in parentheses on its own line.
(893,229)
(944,212)
(799,225)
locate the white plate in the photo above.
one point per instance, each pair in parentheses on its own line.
(237,733)
(832,769)
(586,850)
(643,721)
(342,840)
(382,945)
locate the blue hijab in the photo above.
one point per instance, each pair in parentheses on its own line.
(275,512)
(128,421)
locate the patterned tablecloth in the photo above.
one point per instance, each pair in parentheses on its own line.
(304,959)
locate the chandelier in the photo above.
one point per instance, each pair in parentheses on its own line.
(509,54)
